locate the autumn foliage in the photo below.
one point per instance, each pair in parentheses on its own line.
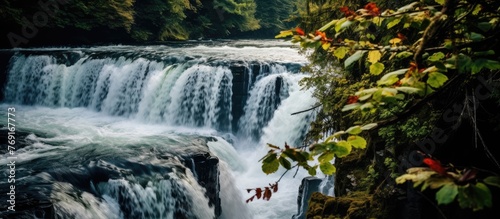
(264,193)
(395,61)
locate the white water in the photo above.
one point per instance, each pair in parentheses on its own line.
(262,103)
(133,104)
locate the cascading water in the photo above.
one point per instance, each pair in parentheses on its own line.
(264,99)
(129,132)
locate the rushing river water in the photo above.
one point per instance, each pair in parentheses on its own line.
(110,132)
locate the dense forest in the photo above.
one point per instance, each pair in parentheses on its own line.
(56,22)
(409,99)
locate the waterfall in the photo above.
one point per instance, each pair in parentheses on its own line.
(264,99)
(187,94)
(202,97)
(170,199)
(121,129)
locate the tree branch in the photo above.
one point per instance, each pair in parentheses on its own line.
(303,111)
(407,113)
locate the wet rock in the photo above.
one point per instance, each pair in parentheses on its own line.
(307,187)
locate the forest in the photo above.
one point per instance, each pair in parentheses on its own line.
(139,21)
(409,104)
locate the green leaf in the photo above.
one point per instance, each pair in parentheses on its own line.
(475,37)
(477,65)
(273,146)
(327,156)
(285,163)
(339,133)
(463,62)
(341,52)
(492,64)
(319,148)
(424,88)
(447,193)
(484,26)
(376,68)
(477,9)
(391,77)
(408,90)
(357,141)
(294,155)
(339,23)
(474,196)
(342,149)
(366,91)
(312,170)
(364,97)
(350,106)
(404,54)
(270,164)
(366,106)
(331,23)
(393,23)
(354,57)
(484,194)
(327,168)
(436,79)
(369,126)
(441,2)
(306,155)
(344,25)
(492,181)
(284,34)
(484,53)
(377,95)
(436,57)
(440,66)
(354,130)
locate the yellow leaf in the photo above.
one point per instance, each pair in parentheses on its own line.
(395,41)
(284,34)
(326,46)
(374,56)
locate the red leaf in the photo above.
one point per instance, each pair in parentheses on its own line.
(372,9)
(275,188)
(267,194)
(346,11)
(258,192)
(401,36)
(435,165)
(300,31)
(352,99)
(250,199)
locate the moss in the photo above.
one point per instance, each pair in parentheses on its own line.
(355,205)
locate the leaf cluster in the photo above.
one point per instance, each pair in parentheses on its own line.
(461,185)
(401,57)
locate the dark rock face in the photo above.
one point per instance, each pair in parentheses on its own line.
(39,181)
(308,186)
(206,170)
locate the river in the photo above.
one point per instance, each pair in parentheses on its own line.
(110,131)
